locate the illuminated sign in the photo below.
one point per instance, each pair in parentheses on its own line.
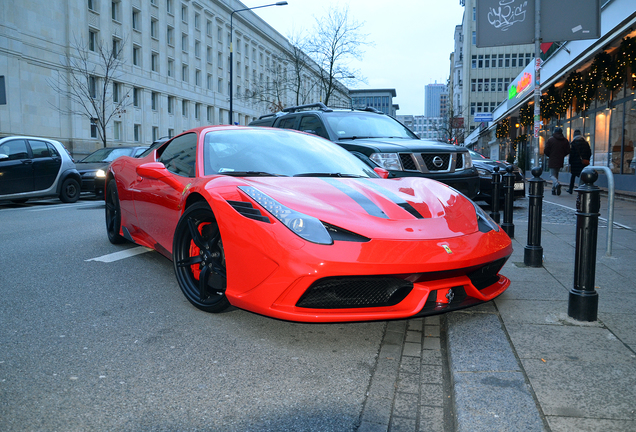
(523,83)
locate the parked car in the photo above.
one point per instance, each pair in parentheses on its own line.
(93,167)
(485,168)
(291,226)
(381,141)
(34,167)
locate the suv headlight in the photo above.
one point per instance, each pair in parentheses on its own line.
(388,161)
(468,161)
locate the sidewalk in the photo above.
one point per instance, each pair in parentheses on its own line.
(521,364)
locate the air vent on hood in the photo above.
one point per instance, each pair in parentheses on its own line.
(247,209)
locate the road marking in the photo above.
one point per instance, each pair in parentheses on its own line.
(116,256)
(62,206)
(600,218)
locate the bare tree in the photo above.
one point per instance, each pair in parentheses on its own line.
(91,71)
(337,39)
(299,62)
(270,89)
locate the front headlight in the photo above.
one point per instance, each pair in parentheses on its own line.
(388,161)
(100,173)
(484,222)
(468,161)
(305,226)
(483,173)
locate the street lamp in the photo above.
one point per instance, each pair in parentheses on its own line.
(280,3)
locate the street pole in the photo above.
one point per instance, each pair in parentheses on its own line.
(280,3)
(537,79)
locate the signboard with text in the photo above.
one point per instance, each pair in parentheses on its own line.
(512,22)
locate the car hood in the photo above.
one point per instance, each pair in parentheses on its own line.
(403,208)
(395,145)
(90,166)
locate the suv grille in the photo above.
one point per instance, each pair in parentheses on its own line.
(407,162)
(436,162)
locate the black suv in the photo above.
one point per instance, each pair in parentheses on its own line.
(381,141)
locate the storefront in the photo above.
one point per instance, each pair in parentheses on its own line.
(587,85)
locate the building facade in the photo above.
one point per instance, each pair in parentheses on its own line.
(586,85)
(435,100)
(175,72)
(432,128)
(380,99)
(486,72)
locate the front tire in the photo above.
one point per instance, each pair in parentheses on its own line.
(199,259)
(113,214)
(70,192)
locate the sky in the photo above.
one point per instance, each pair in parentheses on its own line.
(413,40)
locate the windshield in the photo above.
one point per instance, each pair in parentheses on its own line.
(260,151)
(107,154)
(355,125)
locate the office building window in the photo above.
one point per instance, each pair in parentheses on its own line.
(473,85)
(136,55)
(92,40)
(155,133)
(92,86)
(507,60)
(136,97)
(154,62)
(170,36)
(137,132)
(487,61)
(115,10)
(117,130)
(116,91)
(184,73)
(170,104)
(500,60)
(136,24)
(473,63)
(480,61)
(93,128)
(154,31)
(184,108)
(154,98)
(514,60)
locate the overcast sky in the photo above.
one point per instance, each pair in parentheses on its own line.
(413,40)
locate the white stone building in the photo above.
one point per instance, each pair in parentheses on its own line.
(176,69)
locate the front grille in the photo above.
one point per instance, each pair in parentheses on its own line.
(355,292)
(436,162)
(407,162)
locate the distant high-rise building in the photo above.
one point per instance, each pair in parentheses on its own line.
(435,100)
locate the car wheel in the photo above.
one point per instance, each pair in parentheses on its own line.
(113,214)
(70,190)
(199,259)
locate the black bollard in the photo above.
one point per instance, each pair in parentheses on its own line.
(583,301)
(509,190)
(494,196)
(533,252)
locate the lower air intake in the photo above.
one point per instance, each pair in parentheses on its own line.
(355,292)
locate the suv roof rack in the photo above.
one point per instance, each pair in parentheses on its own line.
(318,105)
(276,114)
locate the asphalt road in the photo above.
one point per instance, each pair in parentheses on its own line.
(107,345)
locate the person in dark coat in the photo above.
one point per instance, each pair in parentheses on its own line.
(557,148)
(580,154)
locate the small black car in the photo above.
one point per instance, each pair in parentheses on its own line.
(381,141)
(93,167)
(485,168)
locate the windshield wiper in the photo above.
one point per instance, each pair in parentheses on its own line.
(327,175)
(250,173)
(355,138)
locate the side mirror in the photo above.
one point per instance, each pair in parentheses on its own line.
(381,172)
(3,156)
(158,171)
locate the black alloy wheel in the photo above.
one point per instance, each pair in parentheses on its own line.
(70,192)
(199,259)
(113,214)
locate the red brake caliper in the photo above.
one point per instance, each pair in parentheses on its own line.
(196,251)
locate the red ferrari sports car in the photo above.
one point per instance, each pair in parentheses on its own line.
(291,226)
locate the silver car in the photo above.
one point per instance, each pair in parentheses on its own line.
(33,167)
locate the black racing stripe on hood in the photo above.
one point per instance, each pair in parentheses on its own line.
(364,202)
(393,197)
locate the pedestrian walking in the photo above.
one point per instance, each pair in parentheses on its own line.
(556,149)
(580,154)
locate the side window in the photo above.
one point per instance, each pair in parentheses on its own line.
(139,151)
(39,149)
(312,124)
(180,155)
(53,150)
(15,149)
(287,123)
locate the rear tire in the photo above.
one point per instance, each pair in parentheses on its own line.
(70,192)
(113,214)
